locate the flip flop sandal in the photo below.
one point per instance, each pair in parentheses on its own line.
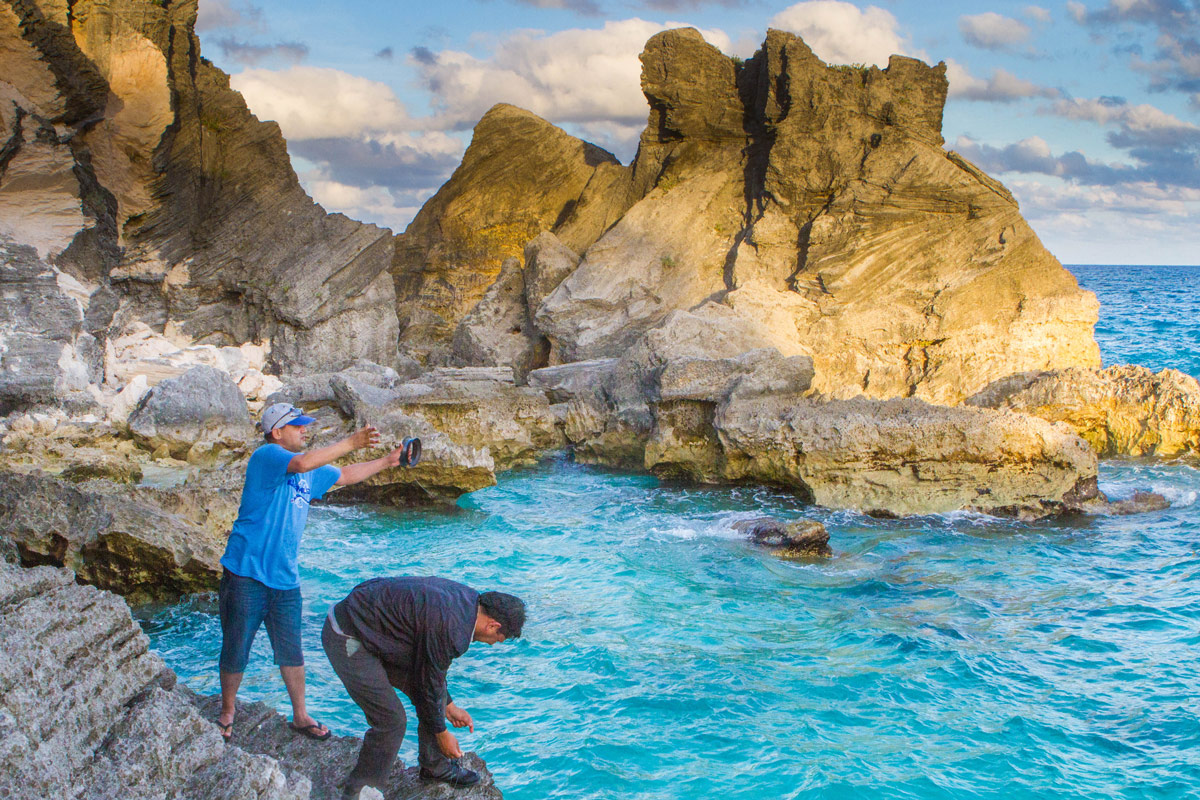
(312,731)
(226,730)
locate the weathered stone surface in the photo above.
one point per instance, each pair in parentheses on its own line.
(317,390)
(499,330)
(803,538)
(201,407)
(479,408)
(896,457)
(446,471)
(1124,410)
(818,204)
(520,176)
(88,711)
(139,542)
(134,170)
(259,729)
(46,356)
(547,263)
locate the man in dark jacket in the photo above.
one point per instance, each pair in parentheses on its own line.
(403,633)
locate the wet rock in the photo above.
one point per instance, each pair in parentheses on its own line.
(1124,410)
(139,542)
(804,538)
(1141,501)
(202,406)
(258,729)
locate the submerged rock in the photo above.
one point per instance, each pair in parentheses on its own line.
(88,710)
(804,538)
(1124,410)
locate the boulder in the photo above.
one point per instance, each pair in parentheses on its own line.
(201,407)
(547,263)
(803,538)
(474,407)
(447,469)
(143,543)
(88,710)
(317,389)
(889,458)
(1124,410)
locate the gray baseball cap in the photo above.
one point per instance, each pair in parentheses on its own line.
(282,414)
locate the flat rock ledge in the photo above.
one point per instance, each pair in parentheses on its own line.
(88,711)
(1125,410)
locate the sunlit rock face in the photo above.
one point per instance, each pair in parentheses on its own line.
(816,201)
(148,193)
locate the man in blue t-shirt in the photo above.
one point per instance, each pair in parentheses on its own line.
(260,581)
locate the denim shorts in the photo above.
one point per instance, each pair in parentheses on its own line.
(245,605)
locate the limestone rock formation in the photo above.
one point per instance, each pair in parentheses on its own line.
(1124,410)
(203,409)
(139,542)
(262,731)
(816,202)
(447,468)
(88,711)
(149,193)
(520,176)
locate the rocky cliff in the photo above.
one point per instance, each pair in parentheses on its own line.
(135,186)
(816,201)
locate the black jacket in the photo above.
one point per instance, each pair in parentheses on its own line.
(419,625)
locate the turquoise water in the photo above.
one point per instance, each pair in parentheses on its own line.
(954,656)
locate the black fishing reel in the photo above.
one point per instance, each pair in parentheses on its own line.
(410,452)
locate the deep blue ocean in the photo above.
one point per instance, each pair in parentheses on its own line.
(954,656)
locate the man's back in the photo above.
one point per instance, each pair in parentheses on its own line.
(411,621)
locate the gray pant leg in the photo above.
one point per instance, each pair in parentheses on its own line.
(367,683)
(429,755)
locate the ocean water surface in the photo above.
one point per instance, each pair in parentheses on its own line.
(952,656)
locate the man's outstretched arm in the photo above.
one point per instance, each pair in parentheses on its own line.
(307,462)
(365,469)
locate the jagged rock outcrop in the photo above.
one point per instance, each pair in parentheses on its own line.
(1124,410)
(149,193)
(193,416)
(140,542)
(520,176)
(805,538)
(817,202)
(88,711)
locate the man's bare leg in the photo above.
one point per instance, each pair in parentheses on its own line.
(230,681)
(293,679)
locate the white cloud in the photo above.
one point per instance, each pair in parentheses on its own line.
(373,204)
(1001,87)
(992,31)
(576,75)
(1077,10)
(1037,14)
(319,102)
(841,33)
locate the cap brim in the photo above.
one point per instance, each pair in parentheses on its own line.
(301,420)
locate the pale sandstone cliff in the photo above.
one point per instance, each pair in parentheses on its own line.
(816,201)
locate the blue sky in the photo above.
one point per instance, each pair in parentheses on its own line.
(1088,111)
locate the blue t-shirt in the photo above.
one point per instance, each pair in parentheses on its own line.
(265,540)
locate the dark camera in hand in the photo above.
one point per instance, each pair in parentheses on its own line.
(410,452)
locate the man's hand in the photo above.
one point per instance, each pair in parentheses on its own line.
(364,437)
(393,458)
(448,745)
(459,717)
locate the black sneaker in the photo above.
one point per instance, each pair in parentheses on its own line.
(452,774)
